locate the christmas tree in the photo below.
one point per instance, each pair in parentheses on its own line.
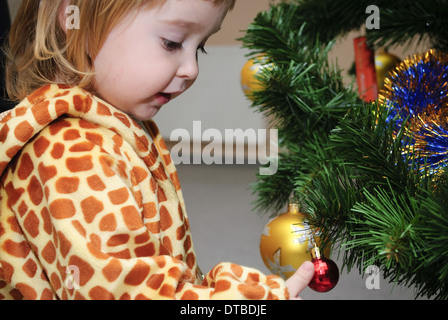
(371,175)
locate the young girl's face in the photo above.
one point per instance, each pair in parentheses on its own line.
(151,57)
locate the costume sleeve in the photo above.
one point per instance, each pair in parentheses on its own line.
(105,236)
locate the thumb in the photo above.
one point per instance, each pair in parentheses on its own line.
(300,280)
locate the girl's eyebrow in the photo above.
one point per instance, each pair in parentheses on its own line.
(190,25)
(183,23)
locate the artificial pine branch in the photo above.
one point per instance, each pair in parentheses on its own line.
(405,22)
(402,22)
(432,275)
(344,158)
(304,96)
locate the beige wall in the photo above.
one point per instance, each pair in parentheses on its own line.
(13,6)
(238,20)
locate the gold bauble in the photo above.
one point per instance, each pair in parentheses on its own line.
(249,72)
(384,63)
(287,241)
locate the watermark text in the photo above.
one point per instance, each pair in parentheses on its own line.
(72,279)
(373,20)
(226,148)
(72,21)
(373,280)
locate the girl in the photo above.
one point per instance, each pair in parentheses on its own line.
(90,204)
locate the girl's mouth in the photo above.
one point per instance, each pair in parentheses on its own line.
(163,98)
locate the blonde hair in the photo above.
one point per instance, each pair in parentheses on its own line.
(41,52)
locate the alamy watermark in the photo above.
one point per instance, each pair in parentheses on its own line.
(373,279)
(72,21)
(228,147)
(211,153)
(72,278)
(373,20)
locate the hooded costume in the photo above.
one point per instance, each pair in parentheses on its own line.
(91,208)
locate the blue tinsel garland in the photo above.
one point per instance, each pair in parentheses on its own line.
(417,91)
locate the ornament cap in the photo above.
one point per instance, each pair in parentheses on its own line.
(315,252)
(293,207)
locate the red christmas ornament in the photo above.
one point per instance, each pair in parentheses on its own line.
(326,272)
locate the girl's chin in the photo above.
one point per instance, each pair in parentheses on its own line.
(146,113)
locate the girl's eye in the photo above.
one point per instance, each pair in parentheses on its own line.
(202,49)
(171,45)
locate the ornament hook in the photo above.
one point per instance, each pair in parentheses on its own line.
(293,203)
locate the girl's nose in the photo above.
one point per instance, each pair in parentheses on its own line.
(189,68)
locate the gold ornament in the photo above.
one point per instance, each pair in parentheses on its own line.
(384,63)
(287,241)
(249,72)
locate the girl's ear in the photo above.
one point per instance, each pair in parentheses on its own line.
(62,16)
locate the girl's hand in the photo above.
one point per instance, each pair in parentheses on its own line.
(300,280)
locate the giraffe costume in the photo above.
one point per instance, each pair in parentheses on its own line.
(84,188)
